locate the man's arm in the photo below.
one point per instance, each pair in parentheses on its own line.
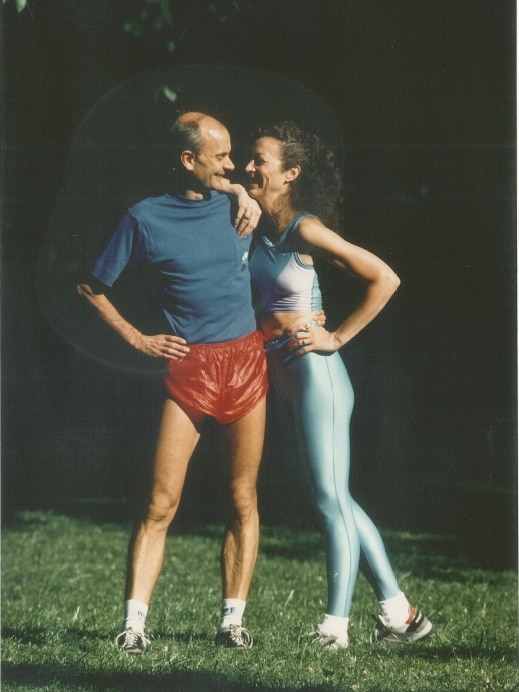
(157,346)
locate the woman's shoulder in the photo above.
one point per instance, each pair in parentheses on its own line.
(315,236)
(309,225)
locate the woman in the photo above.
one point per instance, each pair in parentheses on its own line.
(297,185)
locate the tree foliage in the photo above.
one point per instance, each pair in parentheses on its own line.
(169,22)
(20,5)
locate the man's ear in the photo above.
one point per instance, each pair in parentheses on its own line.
(187,158)
(292,174)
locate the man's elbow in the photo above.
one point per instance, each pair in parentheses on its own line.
(391,281)
(91,288)
(83,289)
(395,281)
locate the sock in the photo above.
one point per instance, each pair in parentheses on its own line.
(336,626)
(395,610)
(232,612)
(135,615)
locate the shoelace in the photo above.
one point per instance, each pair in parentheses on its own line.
(319,637)
(381,630)
(239,635)
(132,640)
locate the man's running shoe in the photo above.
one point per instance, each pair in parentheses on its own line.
(328,641)
(234,637)
(416,627)
(131,642)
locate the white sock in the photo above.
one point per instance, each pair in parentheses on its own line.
(335,626)
(232,612)
(395,610)
(135,615)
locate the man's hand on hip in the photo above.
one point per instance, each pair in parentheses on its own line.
(162,346)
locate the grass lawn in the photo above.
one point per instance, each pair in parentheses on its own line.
(62,581)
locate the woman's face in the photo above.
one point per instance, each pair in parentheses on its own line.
(267,179)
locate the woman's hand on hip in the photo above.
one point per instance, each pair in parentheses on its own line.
(310,337)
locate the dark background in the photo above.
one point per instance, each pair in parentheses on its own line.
(419,100)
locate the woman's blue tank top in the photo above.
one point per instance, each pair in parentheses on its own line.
(281,281)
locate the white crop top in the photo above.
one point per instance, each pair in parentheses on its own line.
(281,281)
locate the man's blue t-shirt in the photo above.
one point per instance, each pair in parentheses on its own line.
(200,261)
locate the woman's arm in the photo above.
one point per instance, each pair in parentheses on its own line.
(248,213)
(157,346)
(381,283)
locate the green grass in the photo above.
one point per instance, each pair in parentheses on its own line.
(61,593)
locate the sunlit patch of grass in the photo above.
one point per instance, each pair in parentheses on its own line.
(62,582)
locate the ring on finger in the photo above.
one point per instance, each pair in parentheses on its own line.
(307,326)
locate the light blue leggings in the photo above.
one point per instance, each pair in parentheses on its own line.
(316,393)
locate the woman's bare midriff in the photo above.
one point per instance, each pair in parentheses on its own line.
(276,323)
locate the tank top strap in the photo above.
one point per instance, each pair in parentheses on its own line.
(290,230)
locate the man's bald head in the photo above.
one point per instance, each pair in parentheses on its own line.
(201,151)
(190,129)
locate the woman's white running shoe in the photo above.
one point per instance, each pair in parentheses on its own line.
(416,627)
(328,641)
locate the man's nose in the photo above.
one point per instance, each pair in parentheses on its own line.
(229,164)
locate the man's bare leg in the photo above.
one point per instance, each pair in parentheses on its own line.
(244,440)
(177,439)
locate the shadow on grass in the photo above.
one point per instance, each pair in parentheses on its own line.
(36,637)
(113,682)
(61,677)
(68,677)
(137,681)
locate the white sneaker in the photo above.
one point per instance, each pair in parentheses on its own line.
(416,627)
(234,637)
(131,642)
(328,641)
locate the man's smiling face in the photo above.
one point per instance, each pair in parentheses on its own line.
(213,161)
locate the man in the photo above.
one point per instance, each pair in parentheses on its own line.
(216,365)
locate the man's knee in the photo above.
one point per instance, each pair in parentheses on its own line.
(244,501)
(161,509)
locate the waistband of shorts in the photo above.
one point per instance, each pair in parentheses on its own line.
(222,345)
(279,342)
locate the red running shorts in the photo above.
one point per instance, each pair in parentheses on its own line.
(225,380)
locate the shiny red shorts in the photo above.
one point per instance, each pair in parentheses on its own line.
(224,380)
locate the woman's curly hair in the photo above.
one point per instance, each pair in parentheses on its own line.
(318,189)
